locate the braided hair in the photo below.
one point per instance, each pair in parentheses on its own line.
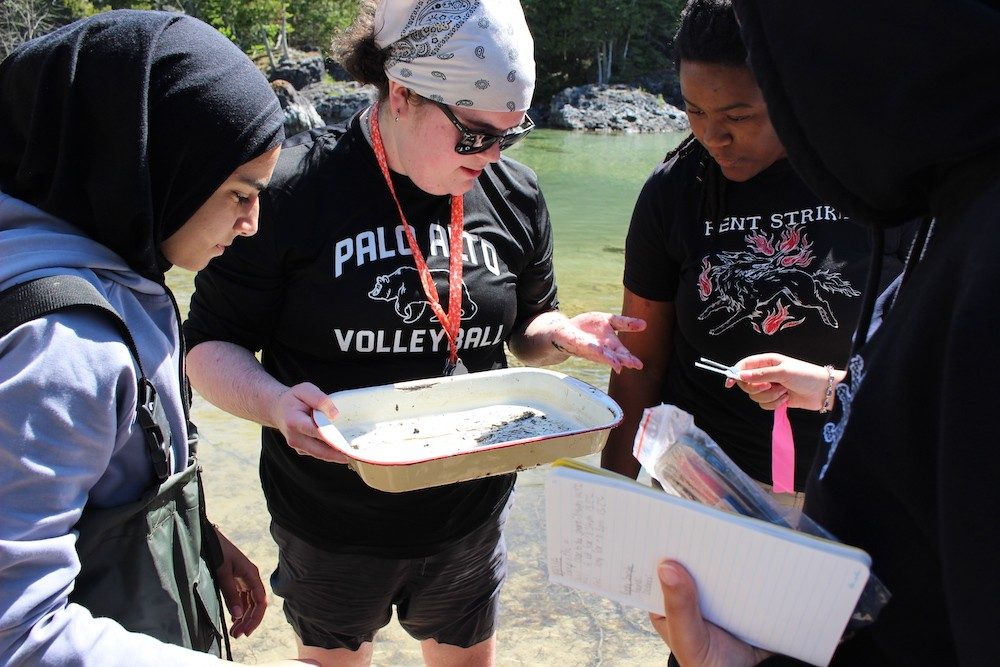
(708,33)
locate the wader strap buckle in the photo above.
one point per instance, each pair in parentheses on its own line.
(150,416)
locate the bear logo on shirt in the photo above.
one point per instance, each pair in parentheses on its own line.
(403,288)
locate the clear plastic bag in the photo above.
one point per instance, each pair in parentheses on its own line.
(689,464)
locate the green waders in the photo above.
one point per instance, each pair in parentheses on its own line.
(142,566)
(145,564)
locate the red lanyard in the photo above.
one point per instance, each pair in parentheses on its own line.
(452,320)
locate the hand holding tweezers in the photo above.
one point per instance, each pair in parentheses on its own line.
(716,367)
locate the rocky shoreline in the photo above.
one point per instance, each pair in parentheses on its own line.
(616,108)
(310,102)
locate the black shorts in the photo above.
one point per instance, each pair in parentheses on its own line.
(341,600)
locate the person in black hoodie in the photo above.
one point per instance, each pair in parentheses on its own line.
(908,466)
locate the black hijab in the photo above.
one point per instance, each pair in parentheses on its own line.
(124,123)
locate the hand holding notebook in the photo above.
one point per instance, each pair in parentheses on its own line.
(766,573)
(770,586)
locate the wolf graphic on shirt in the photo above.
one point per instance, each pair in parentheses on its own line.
(769,285)
(404,289)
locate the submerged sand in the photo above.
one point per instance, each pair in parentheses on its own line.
(541,623)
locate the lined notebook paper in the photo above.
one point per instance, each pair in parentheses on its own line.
(771,586)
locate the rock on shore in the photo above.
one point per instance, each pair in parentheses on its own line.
(602,108)
(300,114)
(338,101)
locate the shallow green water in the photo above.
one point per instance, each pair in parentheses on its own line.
(590,183)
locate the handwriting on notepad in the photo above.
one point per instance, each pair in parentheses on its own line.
(582,551)
(635,583)
(779,589)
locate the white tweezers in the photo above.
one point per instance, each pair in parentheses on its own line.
(716,367)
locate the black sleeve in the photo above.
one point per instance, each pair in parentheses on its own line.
(513,191)
(651,272)
(536,286)
(968,459)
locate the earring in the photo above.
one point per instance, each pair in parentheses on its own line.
(396,119)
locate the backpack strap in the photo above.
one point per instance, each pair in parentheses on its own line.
(33,299)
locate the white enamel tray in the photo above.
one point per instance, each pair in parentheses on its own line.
(424,433)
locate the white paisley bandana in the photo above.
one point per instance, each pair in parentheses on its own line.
(467,53)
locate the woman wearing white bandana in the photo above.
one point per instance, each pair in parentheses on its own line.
(331,294)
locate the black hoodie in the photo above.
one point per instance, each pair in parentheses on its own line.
(890,111)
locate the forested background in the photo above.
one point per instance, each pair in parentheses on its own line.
(576,41)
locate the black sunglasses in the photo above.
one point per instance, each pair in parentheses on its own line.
(477,142)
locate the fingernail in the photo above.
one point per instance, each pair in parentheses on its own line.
(669,574)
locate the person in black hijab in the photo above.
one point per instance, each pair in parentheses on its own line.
(129,141)
(887,112)
(120,126)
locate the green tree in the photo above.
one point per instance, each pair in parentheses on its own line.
(247,22)
(603,41)
(21,20)
(314,22)
(254,25)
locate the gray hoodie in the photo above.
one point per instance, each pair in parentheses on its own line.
(69,436)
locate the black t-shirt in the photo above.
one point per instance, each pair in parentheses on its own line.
(774,271)
(329,292)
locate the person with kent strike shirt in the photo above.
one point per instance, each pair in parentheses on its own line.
(332,292)
(730,254)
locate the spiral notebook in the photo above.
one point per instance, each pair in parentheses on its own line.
(771,586)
